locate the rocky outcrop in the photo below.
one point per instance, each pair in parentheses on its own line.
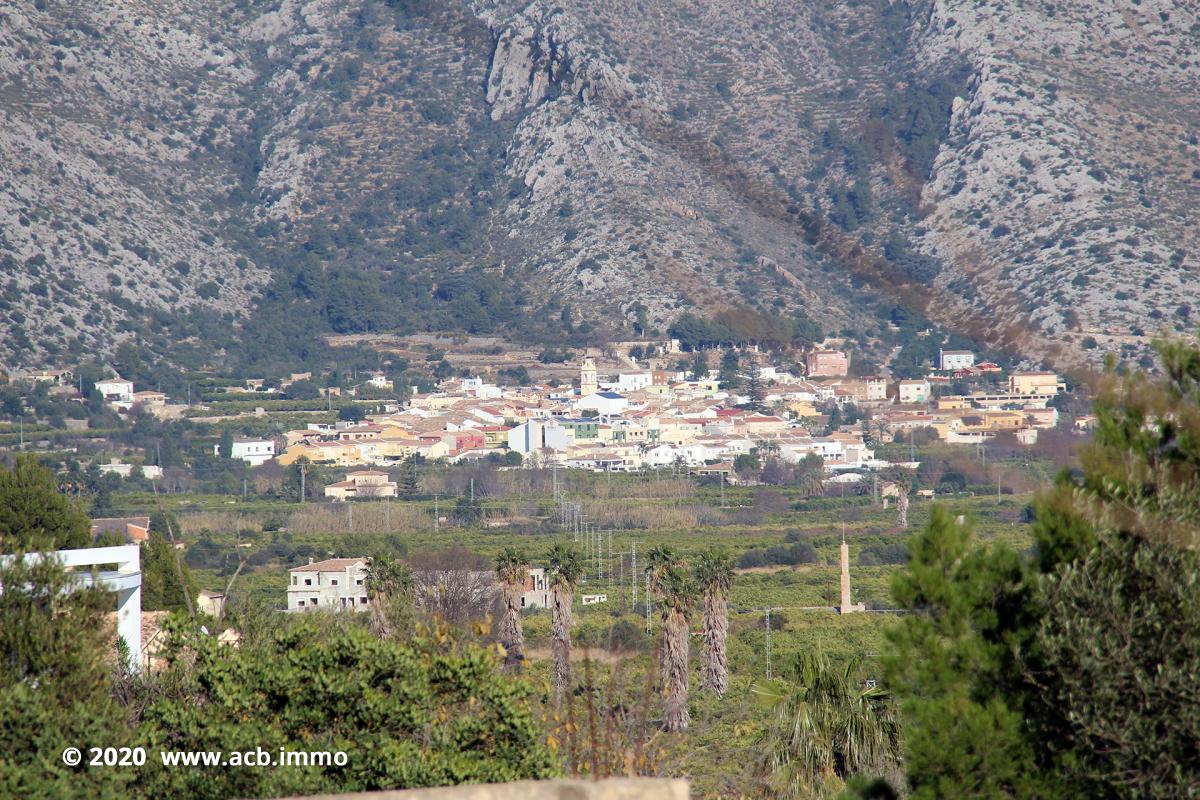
(631,160)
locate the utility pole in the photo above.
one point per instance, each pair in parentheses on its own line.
(350,515)
(303,471)
(243,490)
(472,491)
(768,643)
(648,626)
(621,582)
(633,571)
(610,555)
(437,520)
(997,486)
(722,474)
(388,506)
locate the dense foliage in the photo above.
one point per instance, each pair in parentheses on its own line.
(56,689)
(33,515)
(1072,672)
(407,715)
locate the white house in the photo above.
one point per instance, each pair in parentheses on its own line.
(336,584)
(379,381)
(664,455)
(604,403)
(115,390)
(915,391)
(125,470)
(632,381)
(956,359)
(252,451)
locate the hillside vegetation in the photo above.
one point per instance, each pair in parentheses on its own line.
(230,180)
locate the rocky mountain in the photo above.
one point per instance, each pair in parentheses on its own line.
(234,178)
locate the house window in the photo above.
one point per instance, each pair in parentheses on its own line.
(359,582)
(308,581)
(522,602)
(333,581)
(295,580)
(363,600)
(300,604)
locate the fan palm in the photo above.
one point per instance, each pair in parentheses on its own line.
(512,570)
(390,585)
(677,601)
(565,568)
(828,724)
(714,579)
(903,479)
(658,560)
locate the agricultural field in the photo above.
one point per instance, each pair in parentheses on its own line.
(783,601)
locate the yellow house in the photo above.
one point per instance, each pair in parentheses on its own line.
(1035,383)
(1003,420)
(392,432)
(342,454)
(803,409)
(953,403)
(431,449)
(397,449)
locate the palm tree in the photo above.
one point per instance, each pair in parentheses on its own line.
(902,478)
(828,724)
(678,599)
(390,585)
(565,568)
(658,560)
(512,570)
(714,578)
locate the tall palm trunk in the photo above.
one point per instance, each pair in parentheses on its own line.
(562,598)
(675,652)
(902,508)
(715,670)
(512,635)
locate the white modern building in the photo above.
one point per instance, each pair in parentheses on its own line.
(604,403)
(336,584)
(125,580)
(252,451)
(956,359)
(632,381)
(538,435)
(115,390)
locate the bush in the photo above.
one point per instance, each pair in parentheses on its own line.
(405,715)
(874,555)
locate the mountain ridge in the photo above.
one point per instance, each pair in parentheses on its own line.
(237,180)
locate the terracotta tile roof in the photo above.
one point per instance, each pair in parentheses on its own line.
(329,565)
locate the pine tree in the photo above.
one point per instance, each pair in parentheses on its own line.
(34,515)
(408,477)
(1070,672)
